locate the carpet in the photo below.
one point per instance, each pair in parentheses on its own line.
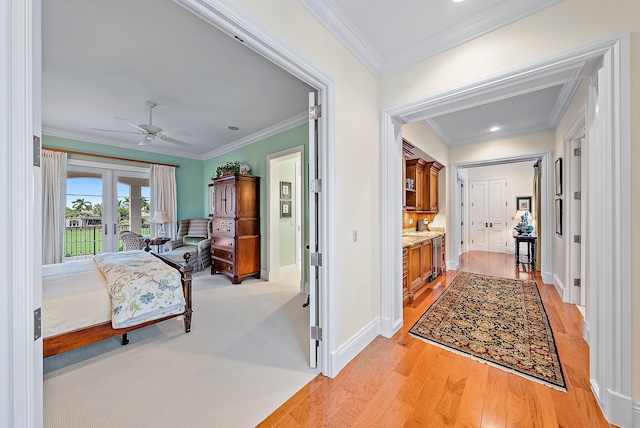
(495,320)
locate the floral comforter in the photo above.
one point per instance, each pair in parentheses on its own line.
(142,287)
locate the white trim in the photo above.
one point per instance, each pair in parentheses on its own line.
(270,131)
(20,192)
(274,270)
(232,20)
(636,414)
(143,172)
(78,136)
(557,283)
(354,345)
(491,19)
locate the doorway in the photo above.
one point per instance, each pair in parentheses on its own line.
(488,213)
(285,215)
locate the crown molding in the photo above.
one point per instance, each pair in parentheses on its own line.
(60,133)
(285,125)
(562,102)
(332,18)
(491,19)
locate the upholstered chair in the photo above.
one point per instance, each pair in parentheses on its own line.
(131,241)
(194,236)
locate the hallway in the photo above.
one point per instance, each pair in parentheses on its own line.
(404,381)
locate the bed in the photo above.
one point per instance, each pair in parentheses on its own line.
(78,303)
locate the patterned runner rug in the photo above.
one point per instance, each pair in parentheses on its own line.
(498,321)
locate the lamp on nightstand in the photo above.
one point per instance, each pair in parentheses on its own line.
(161,217)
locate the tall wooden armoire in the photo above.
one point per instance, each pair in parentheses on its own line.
(235,238)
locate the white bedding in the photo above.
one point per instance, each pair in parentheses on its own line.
(74,295)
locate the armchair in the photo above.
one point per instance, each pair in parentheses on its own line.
(131,241)
(194,236)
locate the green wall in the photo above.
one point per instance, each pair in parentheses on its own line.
(194,175)
(190,186)
(255,155)
(287,225)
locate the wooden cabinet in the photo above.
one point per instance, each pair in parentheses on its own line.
(235,237)
(414,190)
(426,260)
(420,261)
(423,196)
(432,170)
(405,276)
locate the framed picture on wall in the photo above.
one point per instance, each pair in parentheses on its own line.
(285,209)
(558,217)
(212,200)
(558,176)
(285,190)
(523,203)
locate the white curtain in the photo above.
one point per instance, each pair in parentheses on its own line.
(54,194)
(164,197)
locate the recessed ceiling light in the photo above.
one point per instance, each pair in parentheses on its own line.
(233,128)
(457,1)
(494,128)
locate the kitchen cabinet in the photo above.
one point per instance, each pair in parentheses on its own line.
(422,196)
(426,260)
(414,184)
(420,264)
(235,236)
(405,276)
(432,170)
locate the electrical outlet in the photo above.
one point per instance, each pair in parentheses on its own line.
(355,235)
(410,221)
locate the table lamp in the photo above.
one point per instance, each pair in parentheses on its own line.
(161,217)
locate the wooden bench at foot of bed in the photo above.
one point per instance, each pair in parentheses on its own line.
(64,342)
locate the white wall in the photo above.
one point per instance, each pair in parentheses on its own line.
(354,163)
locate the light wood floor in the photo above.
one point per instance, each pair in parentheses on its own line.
(405,382)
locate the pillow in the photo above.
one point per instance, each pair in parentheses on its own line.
(192,240)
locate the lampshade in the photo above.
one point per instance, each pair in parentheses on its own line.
(161,217)
(518,215)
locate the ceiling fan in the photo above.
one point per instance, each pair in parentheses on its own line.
(149,131)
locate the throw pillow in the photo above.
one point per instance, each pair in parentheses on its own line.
(191,240)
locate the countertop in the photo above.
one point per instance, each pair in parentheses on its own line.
(414,237)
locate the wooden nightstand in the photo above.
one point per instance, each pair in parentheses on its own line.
(158,242)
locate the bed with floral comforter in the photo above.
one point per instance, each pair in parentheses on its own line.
(141,286)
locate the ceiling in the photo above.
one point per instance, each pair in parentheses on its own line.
(104,60)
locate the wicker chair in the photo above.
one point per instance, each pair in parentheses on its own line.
(131,241)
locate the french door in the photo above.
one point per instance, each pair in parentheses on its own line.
(103,200)
(488,215)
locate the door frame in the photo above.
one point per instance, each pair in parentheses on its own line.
(610,242)
(273,213)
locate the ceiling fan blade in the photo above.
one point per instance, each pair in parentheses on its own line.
(173,140)
(113,130)
(178,133)
(132,124)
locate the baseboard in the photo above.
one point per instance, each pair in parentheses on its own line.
(586,331)
(622,411)
(352,347)
(285,270)
(547,277)
(636,414)
(559,285)
(451,265)
(264,275)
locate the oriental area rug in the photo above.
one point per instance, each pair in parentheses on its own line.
(498,321)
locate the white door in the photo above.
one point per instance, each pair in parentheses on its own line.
(314,243)
(497,215)
(479,197)
(576,225)
(488,211)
